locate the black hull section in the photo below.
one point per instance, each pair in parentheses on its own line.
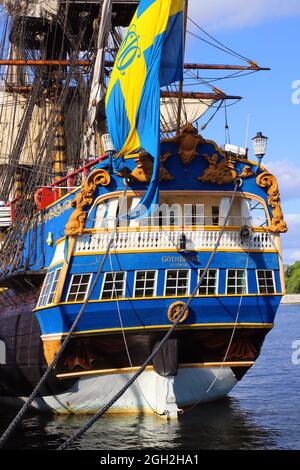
(24,356)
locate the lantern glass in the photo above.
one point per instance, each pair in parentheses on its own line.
(260,144)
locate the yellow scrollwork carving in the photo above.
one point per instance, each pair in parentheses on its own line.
(247,172)
(269,182)
(83,199)
(143,171)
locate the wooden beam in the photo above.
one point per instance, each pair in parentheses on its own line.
(86,63)
(223,67)
(200,96)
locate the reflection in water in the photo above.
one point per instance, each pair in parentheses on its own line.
(220,425)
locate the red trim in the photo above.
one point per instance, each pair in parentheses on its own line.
(47,195)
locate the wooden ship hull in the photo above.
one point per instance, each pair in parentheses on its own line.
(207,262)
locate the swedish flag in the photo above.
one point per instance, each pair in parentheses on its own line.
(150,56)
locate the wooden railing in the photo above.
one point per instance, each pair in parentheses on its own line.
(163,239)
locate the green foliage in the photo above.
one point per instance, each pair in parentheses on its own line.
(292,278)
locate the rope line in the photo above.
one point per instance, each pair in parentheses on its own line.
(119,394)
(227,350)
(52,366)
(127,348)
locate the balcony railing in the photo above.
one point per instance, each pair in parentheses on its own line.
(163,239)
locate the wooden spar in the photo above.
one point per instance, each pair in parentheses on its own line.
(86,63)
(164,94)
(185,16)
(199,96)
(43,63)
(224,67)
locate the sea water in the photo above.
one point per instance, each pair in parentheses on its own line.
(261,412)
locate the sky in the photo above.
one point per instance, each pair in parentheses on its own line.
(268,33)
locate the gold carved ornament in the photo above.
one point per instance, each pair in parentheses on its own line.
(269,182)
(188,141)
(223,171)
(175,310)
(83,199)
(143,171)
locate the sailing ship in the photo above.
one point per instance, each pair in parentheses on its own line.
(115,208)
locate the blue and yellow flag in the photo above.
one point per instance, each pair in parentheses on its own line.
(150,56)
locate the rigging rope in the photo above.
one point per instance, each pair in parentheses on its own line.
(127,348)
(118,395)
(52,366)
(223,47)
(227,350)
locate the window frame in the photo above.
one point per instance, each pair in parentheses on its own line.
(42,293)
(48,275)
(124,285)
(246,278)
(273,278)
(155,282)
(51,292)
(70,286)
(217,282)
(188,283)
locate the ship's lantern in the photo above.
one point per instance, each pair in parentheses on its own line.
(260,145)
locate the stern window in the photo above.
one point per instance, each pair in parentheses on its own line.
(209,285)
(236,281)
(54,286)
(177,282)
(113,285)
(265,281)
(145,283)
(45,290)
(79,287)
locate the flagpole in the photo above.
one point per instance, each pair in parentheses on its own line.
(185,15)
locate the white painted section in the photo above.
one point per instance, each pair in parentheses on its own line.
(238,151)
(134,204)
(151,392)
(59,253)
(224,209)
(245,212)
(2,352)
(112,212)
(100,216)
(160,240)
(5,215)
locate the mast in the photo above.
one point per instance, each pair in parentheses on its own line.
(58,152)
(181,82)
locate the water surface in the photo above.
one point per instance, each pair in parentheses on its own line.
(262,411)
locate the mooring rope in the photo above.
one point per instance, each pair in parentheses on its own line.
(127,349)
(103,410)
(221,367)
(52,366)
